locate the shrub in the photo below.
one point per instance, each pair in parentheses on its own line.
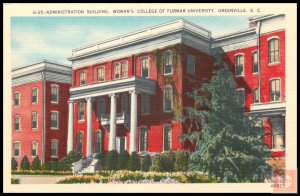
(164,162)
(112,160)
(146,163)
(134,162)
(25,165)
(15,180)
(123,160)
(102,156)
(14,164)
(182,161)
(36,163)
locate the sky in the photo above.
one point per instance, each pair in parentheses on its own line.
(53,38)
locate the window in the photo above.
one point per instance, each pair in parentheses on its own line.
(167,137)
(121,144)
(83,78)
(144,139)
(54,148)
(34,119)
(54,93)
(191,63)
(254,62)
(239,65)
(145,104)
(117,71)
(81,111)
(168,99)
(124,70)
(100,107)
(79,142)
(145,67)
(274,50)
(275,90)
(278,133)
(34,148)
(98,139)
(17,123)
(54,120)
(241,94)
(17,99)
(101,74)
(34,95)
(168,62)
(255,96)
(17,146)
(124,103)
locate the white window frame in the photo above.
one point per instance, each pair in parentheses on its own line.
(17,92)
(37,95)
(142,139)
(242,89)
(270,88)
(82,72)
(189,57)
(164,101)
(164,125)
(36,150)
(78,113)
(37,121)
(19,122)
(19,148)
(256,89)
(82,134)
(147,105)
(57,148)
(146,59)
(283,135)
(255,52)
(269,40)
(118,142)
(57,113)
(164,64)
(235,56)
(122,67)
(119,70)
(101,140)
(57,96)
(98,73)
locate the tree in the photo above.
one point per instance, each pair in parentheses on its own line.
(36,163)
(25,165)
(134,162)
(123,160)
(14,164)
(229,143)
(146,163)
(182,161)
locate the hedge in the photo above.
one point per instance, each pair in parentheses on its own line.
(25,165)
(123,160)
(134,162)
(146,163)
(14,164)
(40,172)
(112,160)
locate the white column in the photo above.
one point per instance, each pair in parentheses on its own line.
(113,127)
(70,127)
(89,128)
(133,122)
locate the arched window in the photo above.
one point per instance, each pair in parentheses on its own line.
(17,123)
(17,148)
(117,70)
(274,50)
(275,90)
(17,99)
(255,95)
(254,62)
(101,74)
(79,139)
(124,69)
(168,99)
(145,67)
(34,95)
(98,141)
(239,65)
(82,78)
(34,120)
(168,62)
(124,103)
(80,110)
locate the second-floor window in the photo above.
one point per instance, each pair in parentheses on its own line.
(17,99)
(54,120)
(34,148)
(34,95)
(124,69)
(168,99)
(83,78)
(274,50)
(145,104)
(254,62)
(81,111)
(17,123)
(34,120)
(117,70)
(168,62)
(255,95)
(191,64)
(144,139)
(54,94)
(145,67)
(275,90)
(17,149)
(239,65)
(101,74)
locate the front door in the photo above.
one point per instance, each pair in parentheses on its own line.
(121,144)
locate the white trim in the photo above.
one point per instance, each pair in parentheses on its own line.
(17,115)
(167,124)
(168,87)
(252,53)
(163,59)
(78,112)
(19,142)
(235,56)
(36,150)
(85,73)
(57,86)
(280,98)
(273,37)
(141,62)
(270,39)
(37,121)
(257,88)
(57,113)
(37,95)
(17,92)
(57,149)
(100,67)
(141,127)
(124,62)
(114,73)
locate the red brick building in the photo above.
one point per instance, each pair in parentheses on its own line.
(40,93)
(125,91)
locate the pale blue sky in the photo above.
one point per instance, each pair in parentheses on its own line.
(53,38)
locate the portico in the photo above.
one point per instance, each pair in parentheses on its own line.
(133,86)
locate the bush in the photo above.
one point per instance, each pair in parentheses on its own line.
(182,161)
(123,160)
(25,165)
(102,156)
(14,164)
(112,160)
(36,163)
(164,162)
(15,180)
(134,162)
(146,163)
